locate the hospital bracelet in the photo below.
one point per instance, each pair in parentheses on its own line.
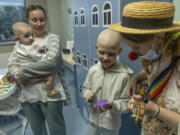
(157,112)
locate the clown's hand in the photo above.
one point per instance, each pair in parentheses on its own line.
(134,104)
(133,101)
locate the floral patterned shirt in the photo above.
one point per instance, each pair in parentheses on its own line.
(169,98)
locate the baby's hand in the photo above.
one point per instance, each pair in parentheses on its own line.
(90,96)
(42,50)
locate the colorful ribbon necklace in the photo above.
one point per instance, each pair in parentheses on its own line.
(159,83)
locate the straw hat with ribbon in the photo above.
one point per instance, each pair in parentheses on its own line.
(147,17)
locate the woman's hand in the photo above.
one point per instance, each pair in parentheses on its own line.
(37,79)
(134,98)
(151,108)
(166,115)
(138,78)
(131,87)
(162,113)
(18,79)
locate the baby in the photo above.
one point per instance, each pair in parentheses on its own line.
(26,53)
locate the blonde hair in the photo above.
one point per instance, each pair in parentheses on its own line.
(170,49)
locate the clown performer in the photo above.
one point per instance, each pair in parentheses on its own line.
(149,30)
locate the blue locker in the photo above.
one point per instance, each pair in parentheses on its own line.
(81,43)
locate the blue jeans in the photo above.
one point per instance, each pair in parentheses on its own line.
(38,112)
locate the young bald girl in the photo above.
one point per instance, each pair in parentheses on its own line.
(105,83)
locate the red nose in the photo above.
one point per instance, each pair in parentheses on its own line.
(132,56)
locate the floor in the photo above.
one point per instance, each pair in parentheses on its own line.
(75,124)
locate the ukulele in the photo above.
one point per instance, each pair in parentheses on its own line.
(138,106)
